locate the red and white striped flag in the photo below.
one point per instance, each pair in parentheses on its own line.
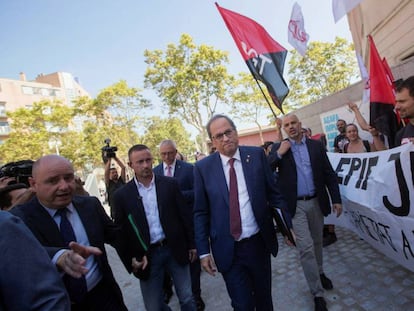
(297,35)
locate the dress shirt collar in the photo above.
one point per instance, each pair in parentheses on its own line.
(225,159)
(166,166)
(52,211)
(303,140)
(141,185)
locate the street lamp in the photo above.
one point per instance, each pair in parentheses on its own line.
(55,143)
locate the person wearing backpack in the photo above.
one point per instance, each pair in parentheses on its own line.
(358,145)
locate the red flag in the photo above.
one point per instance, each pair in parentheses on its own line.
(263,55)
(382,97)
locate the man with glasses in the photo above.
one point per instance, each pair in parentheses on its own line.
(235,192)
(183,172)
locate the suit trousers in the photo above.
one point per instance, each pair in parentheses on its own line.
(103,297)
(308,228)
(249,280)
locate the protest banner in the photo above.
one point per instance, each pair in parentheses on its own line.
(377,189)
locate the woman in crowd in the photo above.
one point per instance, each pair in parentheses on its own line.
(357,145)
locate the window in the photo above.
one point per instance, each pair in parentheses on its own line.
(2,109)
(4,128)
(27,90)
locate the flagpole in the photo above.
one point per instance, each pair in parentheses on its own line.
(267,101)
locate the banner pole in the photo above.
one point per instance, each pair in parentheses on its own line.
(267,101)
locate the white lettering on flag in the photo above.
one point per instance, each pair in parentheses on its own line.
(297,35)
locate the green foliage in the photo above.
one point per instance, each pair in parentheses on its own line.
(326,68)
(248,102)
(190,80)
(114,114)
(172,128)
(76,132)
(34,130)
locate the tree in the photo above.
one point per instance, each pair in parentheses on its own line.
(172,128)
(248,102)
(115,114)
(326,68)
(76,132)
(38,131)
(190,80)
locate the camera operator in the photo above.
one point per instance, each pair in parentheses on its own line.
(14,183)
(112,180)
(10,192)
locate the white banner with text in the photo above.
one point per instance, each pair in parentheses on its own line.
(377,190)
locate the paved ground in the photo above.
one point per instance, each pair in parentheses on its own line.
(363,279)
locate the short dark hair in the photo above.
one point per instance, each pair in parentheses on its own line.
(138,147)
(5,197)
(406,84)
(214,118)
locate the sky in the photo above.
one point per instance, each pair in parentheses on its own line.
(103,41)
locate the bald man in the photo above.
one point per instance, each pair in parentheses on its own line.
(310,186)
(73,229)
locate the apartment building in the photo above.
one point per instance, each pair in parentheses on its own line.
(22,93)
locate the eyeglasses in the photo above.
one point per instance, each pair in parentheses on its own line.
(169,153)
(220,136)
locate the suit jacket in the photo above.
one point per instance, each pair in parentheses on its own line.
(211,208)
(183,172)
(174,215)
(28,279)
(98,226)
(324,177)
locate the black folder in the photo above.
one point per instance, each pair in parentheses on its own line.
(280,219)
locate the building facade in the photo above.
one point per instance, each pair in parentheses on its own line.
(391,24)
(15,94)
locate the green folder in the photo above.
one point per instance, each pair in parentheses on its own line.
(134,226)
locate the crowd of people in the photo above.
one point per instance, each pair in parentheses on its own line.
(170,222)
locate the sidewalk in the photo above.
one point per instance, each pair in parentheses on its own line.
(363,279)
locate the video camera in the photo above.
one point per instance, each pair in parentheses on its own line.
(20,170)
(108,151)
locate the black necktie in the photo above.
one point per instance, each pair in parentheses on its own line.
(235,220)
(76,288)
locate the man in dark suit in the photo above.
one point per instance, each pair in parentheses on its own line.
(153,214)
(180,170)
(57,218)
(183,172)
(305,178)
(28,279)
(234,193)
